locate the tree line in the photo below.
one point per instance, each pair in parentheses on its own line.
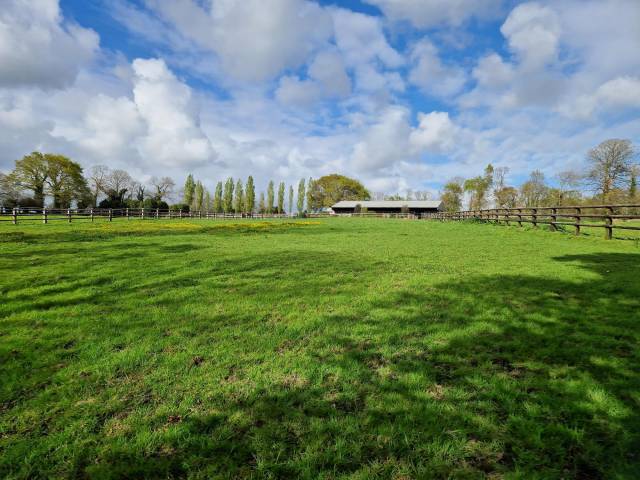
(38,176)
(236,196)
(611,176)
(41,176)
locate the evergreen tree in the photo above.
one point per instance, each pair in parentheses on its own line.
(262,206)
(270,197)
(310,202)
(290,211)
(281,188)
(189,190)
(217,199)
(207,200)
(227,199)
(301,195)
(198,196)
(250,195)
(238,202)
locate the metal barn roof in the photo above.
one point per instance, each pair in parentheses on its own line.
(388,203)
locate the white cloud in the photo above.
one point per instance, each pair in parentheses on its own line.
(431,75)
(361,39)
(293,91)
(37,48)
(391,140)
(255,40)
(385,143)
(533,32)
(328,69)
(492,72)
(174,135)
(431,13)
(435,133)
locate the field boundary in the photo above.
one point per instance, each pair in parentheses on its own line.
(578,217)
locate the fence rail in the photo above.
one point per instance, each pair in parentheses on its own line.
(573,216)
(46,215)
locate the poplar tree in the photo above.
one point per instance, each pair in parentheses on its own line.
(261,205)
(207,200)
(198,196)
(281,188)
(189,190)
(217,199)
(238,202)
(250,195)
(301,195)
(290,211)
(227,200)
(310,203)
(269,207)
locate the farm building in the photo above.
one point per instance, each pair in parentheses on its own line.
(388,206)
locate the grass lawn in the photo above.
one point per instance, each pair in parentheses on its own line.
(332,348)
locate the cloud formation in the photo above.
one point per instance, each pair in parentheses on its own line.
(290,88)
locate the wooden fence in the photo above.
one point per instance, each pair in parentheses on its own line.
(578,217)
(46,215)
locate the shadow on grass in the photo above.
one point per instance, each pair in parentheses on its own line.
(533,376)
(508,374)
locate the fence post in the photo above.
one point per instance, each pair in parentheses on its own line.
(110,214)
(554,218)
(609,223)
(44,216)
(14,216)
(91,213)
(127,213)
(181,213)
(534,217)
(157,213)
(578,217)
(69,214)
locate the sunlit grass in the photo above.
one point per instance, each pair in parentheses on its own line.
(359,348)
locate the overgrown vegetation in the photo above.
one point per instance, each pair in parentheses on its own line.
(337,348)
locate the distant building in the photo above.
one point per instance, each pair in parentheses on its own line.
(416,207)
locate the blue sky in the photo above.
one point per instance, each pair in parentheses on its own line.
(402,94)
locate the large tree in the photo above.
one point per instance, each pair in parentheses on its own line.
(533,191)
(189,190)
(250,195)
(117,184)
(227,200)
(30,173)
(97,181)
(281,189)
(478,188)
(9,194)
(309,195)
(301,196)
(610,166)
(270,197)
(452,195)
(262,207)
(238,201)
(65,181)
(218,204)
(330,189)
(290,211)
(163,187)
(198,196)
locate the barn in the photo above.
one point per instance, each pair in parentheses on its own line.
(416,207)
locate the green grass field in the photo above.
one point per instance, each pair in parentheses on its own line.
(333,348)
